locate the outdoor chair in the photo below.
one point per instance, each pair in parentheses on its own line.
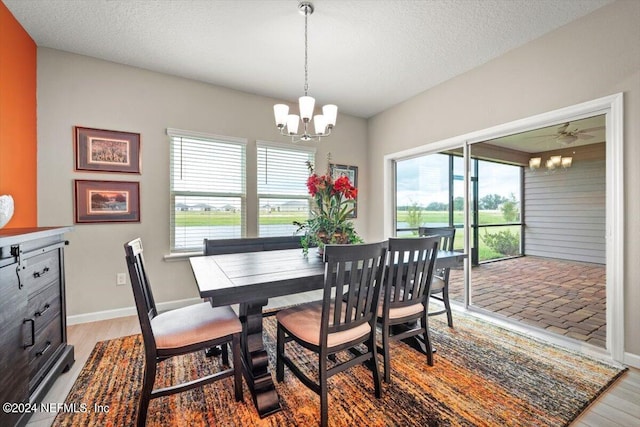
(177,332)
(337,324)
(440,284)
(406,294)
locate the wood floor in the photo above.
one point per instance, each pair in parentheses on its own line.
(619,406)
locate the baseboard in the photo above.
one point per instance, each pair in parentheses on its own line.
(632,360)
(126,311)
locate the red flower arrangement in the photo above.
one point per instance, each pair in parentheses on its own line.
(334,204)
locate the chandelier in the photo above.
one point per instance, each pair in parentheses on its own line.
(289,123)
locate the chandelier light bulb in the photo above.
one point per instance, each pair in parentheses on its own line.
(281,112)
(320,124)
(292,124)
(307,104)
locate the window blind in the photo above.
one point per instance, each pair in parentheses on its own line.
(207,188)
(282,187)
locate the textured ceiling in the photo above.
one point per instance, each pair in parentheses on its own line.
(364,56)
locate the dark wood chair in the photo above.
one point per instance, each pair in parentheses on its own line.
(337,324)
(406,294)
(250,244)
(176,332)
(440,285)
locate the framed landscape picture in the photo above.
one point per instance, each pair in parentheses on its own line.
(350,172)
(99,150)
(107,201)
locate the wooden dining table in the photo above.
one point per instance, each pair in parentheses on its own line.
(250,279)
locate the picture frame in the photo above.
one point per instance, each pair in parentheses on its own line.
(99,150)
(106,201)
(350,172)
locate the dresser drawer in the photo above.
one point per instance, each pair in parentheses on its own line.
(41,270)
(47,342)
(44,306)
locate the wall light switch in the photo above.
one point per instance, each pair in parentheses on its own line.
(121,279)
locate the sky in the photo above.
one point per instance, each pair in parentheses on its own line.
(425,179)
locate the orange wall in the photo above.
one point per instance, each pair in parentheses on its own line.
(18,132)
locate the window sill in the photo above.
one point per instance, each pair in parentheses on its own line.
(181,256)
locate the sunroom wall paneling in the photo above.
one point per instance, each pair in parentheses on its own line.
(565,213)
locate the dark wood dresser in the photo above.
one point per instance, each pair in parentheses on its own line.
(33,326)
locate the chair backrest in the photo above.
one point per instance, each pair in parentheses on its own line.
(355,272)
(447,235)
(410,270)
(145,304)
(250,244)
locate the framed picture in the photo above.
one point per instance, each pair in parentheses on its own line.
(107,201)
(100,150)
(350,172)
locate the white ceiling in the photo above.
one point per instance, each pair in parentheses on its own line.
(364,56)
(590,130)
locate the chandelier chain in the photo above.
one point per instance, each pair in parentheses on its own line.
(306,67)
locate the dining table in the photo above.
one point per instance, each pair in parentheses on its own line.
(249,279)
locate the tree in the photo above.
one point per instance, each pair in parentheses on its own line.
(437,206)
(491,201)
(414,216)
(458,203)
(510,211)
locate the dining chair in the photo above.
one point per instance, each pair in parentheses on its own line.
(341,321)
(177,332)
(406,294)
(440,284)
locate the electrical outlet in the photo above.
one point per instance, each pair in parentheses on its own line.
(121,279)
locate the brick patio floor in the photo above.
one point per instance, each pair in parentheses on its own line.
(563,297)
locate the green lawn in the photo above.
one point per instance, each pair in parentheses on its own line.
(213,218)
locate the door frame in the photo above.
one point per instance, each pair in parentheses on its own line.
(612,107)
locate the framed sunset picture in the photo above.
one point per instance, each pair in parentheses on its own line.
(106,201)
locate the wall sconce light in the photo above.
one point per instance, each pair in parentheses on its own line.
(551,164)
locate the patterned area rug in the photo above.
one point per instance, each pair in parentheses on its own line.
(483,376)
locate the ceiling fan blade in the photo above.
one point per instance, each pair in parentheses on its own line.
(592,129)
(551,135)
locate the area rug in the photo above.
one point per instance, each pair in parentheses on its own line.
(483,376)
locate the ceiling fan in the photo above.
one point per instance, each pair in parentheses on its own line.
(566,136)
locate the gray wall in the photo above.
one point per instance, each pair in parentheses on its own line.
(565,212)
(595,56)
(76,90)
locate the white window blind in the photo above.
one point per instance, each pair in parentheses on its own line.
(207,188)
(282,187)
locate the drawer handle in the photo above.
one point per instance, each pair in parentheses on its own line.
(37,274)
(44,350)
(33,333)
(40,313)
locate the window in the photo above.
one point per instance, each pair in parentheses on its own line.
(207,188)
(282,191)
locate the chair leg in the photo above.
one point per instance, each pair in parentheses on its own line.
(145,394)
(225,354)
(237,367)
(324,404)
(376,373)
(427,338)
(447,306)
(280,355)
(385,353)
